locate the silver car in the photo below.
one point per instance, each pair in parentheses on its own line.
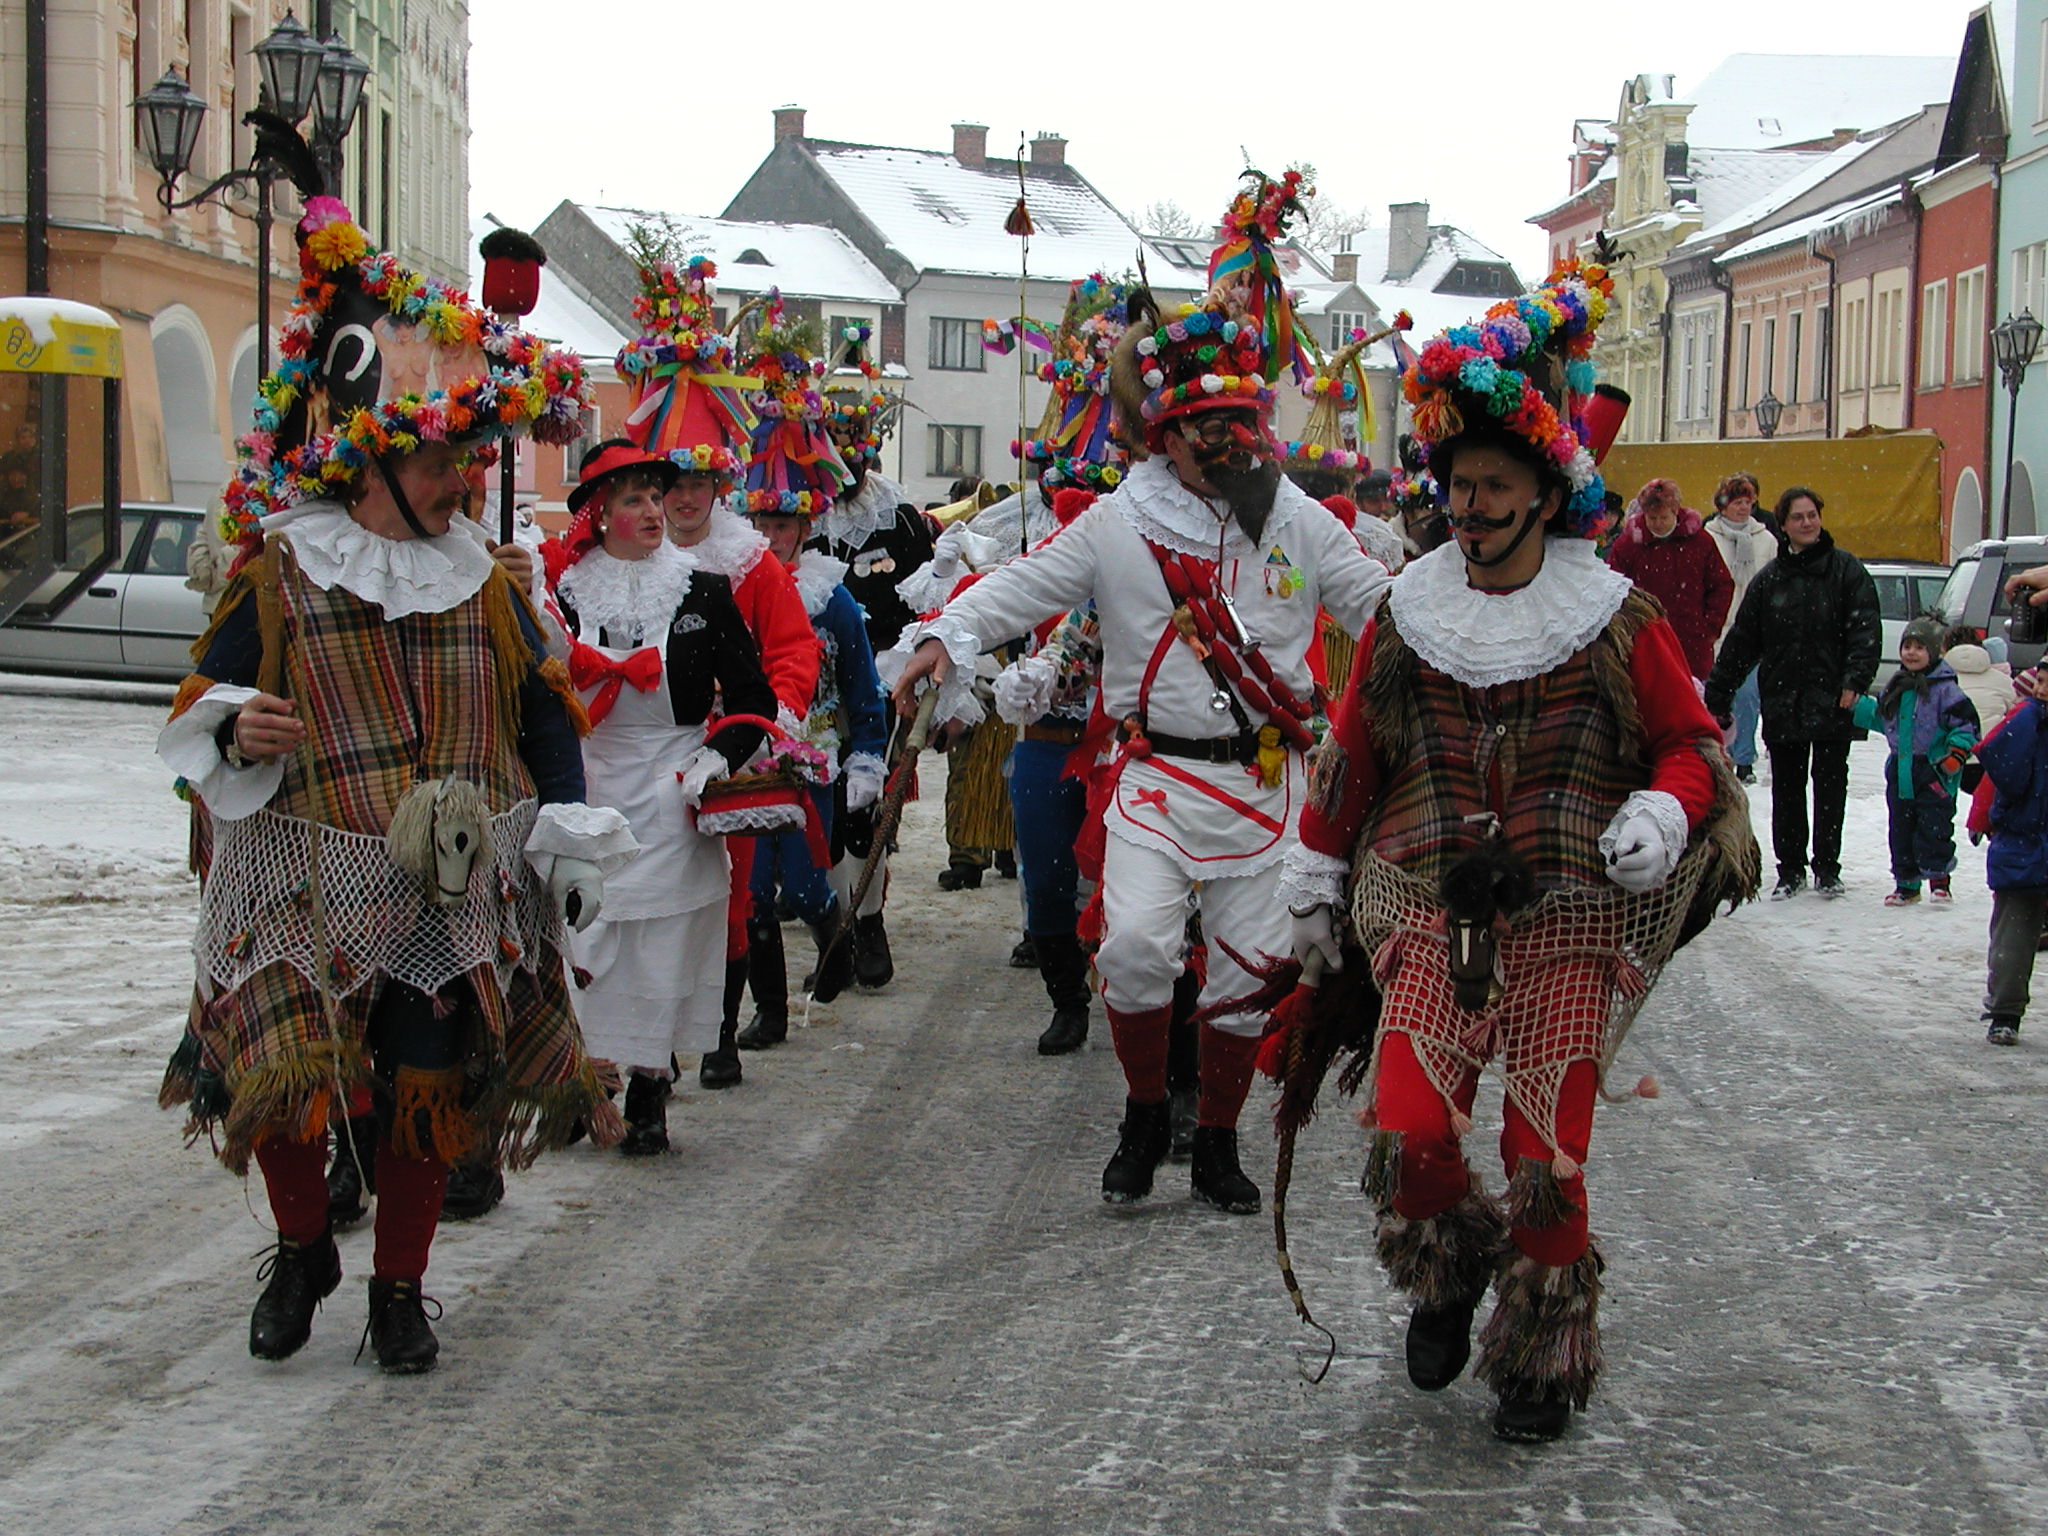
(136,620)
(1975,592)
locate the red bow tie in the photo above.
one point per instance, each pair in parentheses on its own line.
(591,668)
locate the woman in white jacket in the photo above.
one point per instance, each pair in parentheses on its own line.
(1747,543)
(1986,684)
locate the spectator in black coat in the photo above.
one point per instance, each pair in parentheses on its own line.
(1809,623)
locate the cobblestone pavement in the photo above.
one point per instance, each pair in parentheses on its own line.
(874,1290)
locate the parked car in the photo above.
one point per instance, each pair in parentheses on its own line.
(1974,593)
(1905,590)
(136,620)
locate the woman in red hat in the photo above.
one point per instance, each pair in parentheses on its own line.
(658,641)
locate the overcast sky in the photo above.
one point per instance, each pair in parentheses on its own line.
(1466,103)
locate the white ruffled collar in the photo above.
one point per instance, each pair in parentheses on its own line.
(631,600)
(400,576)
(1483,638)
(1164,511)
(859,517)
(816,574)
(730,546)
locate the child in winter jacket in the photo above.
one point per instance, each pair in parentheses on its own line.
(1931,726)
(2013,802)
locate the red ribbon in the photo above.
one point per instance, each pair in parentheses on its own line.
(591,668)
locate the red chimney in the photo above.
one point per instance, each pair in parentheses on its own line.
(789,123)
(970,144)
(1048,149)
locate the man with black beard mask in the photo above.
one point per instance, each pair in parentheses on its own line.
(1206,568)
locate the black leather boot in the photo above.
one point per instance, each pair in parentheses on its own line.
(1440,1343)
(768,980)
(353,1173)
(1141,1145)
(1063,967)
(398,1332)
(300,1277)
(837,962)
(873,965)
(720,1068)
(475,1188)
(1215,1175)
(646,1116)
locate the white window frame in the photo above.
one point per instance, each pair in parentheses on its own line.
(963,439)
(1970,329)
(1933,368)
(946,331)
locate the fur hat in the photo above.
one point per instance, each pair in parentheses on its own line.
(375,360)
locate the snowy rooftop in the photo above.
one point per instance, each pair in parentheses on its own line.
(1811,173)
(560,316)
(1731,179)
(1813,224)
(948,217)
(806,261)
(1758,100)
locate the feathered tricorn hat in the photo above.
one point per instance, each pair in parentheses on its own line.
(1229,347)
(688,402)
(1525,373)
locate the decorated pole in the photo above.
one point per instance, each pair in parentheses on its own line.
(1019,224)
(512,263)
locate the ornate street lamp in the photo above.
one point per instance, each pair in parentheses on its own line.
(2014,340)
(1769,412)
(300,75)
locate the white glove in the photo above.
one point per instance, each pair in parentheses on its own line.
(1315,939)
(1023,691)
(947,563)
(1636,857)
(864,780)
(705,764)
(577,888)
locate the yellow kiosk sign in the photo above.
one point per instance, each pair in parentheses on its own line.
(39,335)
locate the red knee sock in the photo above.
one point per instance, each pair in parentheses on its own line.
(1141,1051)
(295,1174)
(409,1191)
(1226,1076)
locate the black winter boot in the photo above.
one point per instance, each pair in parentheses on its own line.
(398,1333)
(1446,1262)
(353,1173)
(873,965)
(837,963)
(720,1068)
(474,1189)
(1141,1146)
(300,1277)
(1216,1177)
(646,1116)
(768,979)
(1541,1348)
(1063,967)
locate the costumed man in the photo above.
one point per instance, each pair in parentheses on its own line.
(793,474)
(1520,804)
(1049,695)
(883,539)
(645,614)
(692,406)
(1206,567)
(389,768)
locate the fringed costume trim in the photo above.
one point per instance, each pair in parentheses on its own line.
(1543,1341)
(1447,1259)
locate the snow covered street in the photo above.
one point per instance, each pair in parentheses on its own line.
(874,1288)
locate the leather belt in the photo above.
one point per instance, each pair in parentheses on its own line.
(1066,735)
(1241,748)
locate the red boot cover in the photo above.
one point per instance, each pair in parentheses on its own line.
(1141,1051)
(295,1174)
(739,900)
(1226,1076)
(409,1191)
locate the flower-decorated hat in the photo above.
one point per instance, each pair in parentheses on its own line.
(1229,347)
(1336,388)
(1075,445)
(854,398)
(688,402)
(376,360)
(1524,373)
(793,469)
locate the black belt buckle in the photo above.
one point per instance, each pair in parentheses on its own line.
(1243,749)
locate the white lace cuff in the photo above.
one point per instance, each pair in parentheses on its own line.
(930,584)
(786,723)
(957,700)
(1662,809)
(1023,690)
(573,830)
(1310,879)
(190,748)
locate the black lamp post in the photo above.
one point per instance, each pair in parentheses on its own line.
(300,75)
(2014,340)
(1769,412)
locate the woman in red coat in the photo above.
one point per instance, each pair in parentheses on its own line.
(1665,550)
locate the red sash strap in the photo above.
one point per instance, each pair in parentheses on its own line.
(1194,585)
(591,668)
(1244,808)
